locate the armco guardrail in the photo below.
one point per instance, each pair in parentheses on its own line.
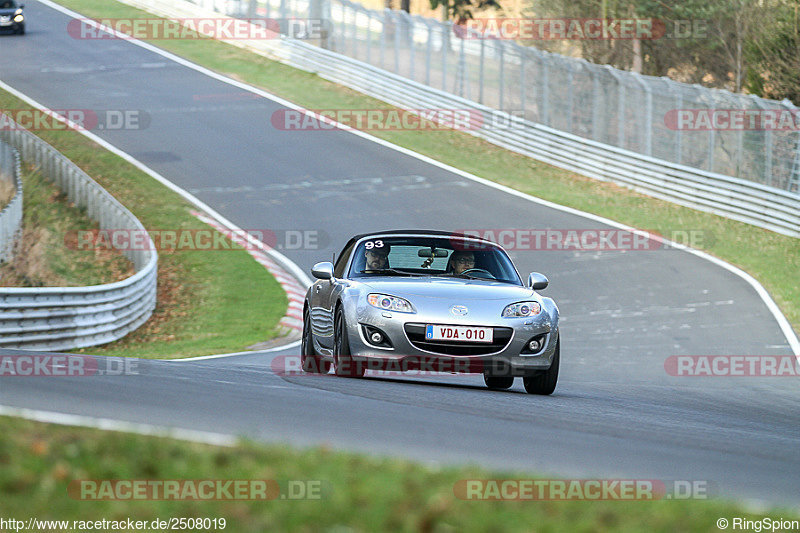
(62,318)
(738,199)
(11,213)
(735,198)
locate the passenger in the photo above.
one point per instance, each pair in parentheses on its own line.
(460,261)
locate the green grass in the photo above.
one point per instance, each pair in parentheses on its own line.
(44,257)
(359,493)
(771,258)
(208,301)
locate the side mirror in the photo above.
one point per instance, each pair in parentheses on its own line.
(537,281)
(323,270)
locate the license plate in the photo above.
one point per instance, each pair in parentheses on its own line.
(435,332)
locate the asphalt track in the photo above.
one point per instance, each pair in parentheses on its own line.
(616,411)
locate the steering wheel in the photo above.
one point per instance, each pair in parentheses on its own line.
(467,271)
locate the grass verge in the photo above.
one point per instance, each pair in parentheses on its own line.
(38,461)
(205,305)
(43,256)
(771,258)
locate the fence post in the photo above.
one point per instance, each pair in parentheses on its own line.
(412,56)
(396,22)
(428,53)
(480,67)
(648,113)
(369,37)
(383,38)
(501,83)
(522,98)
(445,49)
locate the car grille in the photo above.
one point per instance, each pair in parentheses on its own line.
(416,335)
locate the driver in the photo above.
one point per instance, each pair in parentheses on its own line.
(377,258)
(461,261)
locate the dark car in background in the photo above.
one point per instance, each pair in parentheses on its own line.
(12,18)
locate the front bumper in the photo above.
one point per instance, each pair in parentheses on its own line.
(11,26)
(505,357)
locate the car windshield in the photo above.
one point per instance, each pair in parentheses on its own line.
(7,4)
(432,256)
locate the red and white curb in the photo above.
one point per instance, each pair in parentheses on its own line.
(294,291)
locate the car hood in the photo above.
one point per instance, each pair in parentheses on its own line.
(450,289)
(7,12)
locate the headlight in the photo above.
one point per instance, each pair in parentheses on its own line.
(19,18)
(390,303)
(522,309)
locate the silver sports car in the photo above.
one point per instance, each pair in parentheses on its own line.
(430,301)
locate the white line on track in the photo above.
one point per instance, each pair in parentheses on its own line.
(293,344)
(107,424)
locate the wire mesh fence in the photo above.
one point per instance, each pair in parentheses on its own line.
(653,116)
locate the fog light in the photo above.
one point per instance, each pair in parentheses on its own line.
(534,345)
(376,338)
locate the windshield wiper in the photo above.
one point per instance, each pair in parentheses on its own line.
(472,276)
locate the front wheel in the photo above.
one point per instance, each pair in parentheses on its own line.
(544,381)
(310,361)
(343,364)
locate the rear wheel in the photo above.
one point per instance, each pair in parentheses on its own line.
(310,361)
(544,381)
(498,382)
(343,364)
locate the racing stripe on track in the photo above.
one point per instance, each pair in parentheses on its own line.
(294,291)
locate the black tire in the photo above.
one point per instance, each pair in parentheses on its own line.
(544,381)
(310,361)
(343,364)
(21,30)
(498,382)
